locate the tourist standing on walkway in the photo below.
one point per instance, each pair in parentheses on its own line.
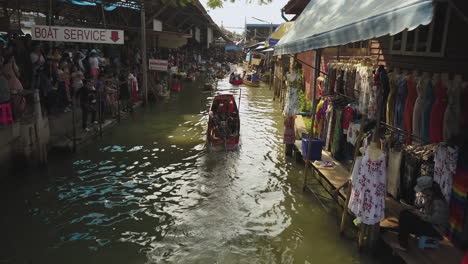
(94,64)
(12,74)
(124,88)
(87,95)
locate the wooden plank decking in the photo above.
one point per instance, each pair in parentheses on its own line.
(333,177)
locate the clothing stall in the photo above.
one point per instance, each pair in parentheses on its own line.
(413,127)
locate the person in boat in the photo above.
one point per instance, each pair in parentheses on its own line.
(232,77)
(429,216)
(255,77)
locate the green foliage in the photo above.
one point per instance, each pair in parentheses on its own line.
(308,123)
(305,105)
(219,3)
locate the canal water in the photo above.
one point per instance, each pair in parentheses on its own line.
(149,192)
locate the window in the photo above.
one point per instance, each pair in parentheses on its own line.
(427,40)
(359,45)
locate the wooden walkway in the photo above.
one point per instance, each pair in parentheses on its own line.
(332,178)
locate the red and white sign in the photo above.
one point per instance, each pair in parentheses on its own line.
(158,65)
(73,34)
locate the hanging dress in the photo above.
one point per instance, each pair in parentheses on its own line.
(426,112)
(411,96)
(291,107)
(384,88)
(445,165)
(438,112)
(390,115)
(357,82)
(373,93)
(400,101)
(365,90)
(419,104)
(369,189)
(393,172)
(134,89)
(453,110)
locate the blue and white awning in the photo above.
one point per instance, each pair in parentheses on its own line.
(328,23)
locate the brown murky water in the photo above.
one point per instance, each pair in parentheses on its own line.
(149,192)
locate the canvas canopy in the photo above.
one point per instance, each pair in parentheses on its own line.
(327,23)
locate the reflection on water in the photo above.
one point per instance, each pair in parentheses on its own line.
(150,193)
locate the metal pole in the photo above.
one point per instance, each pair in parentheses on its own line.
(143,52)
(74,123)
(100,113)
(311,135)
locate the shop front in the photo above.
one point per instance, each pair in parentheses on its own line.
(389,90)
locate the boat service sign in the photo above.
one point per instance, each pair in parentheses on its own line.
(74,34)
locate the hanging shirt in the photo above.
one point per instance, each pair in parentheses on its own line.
(347,118)
(93,63)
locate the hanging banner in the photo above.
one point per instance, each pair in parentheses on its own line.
(158,65)
(73,34)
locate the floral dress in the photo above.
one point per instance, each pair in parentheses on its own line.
(369,189)
(291,106)
(445,166)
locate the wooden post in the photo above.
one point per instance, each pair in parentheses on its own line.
(143,52)
(311,136)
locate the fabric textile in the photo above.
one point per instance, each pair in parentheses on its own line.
(353,133)
(10,69)
(393,172)
(365,90)
(426,112)
(452,112)
(437,113)
(347,118)
(391,99)
(372,107)
(369,189)
(400,102)
(419,105)
(337,132)
(458,230)
(411,96)
(384,87)
(445,165)
(410,171)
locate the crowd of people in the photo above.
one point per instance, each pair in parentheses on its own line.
(66,76)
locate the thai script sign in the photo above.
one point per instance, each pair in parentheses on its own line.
(158,65)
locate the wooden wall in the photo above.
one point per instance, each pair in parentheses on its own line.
(453,61)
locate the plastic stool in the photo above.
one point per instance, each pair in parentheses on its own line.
(428,242)
(6,117)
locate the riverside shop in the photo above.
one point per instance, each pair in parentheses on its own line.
(406,98)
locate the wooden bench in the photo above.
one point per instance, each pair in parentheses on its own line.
(447,253)
(331,178)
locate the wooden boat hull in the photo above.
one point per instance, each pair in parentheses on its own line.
(223,124)
(238,82)
(249,83)
(218,145)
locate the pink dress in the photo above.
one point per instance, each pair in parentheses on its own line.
(436,123)
(13,81)
(369,180)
